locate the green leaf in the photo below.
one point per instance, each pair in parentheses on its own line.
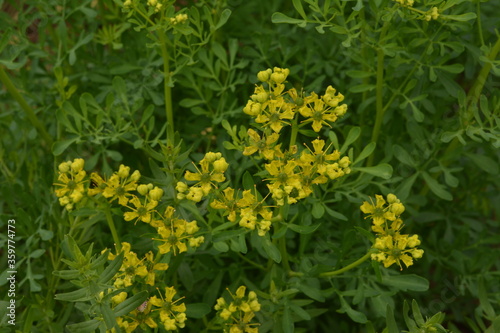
(484,162)
(197,310)
(300,312)
(88,326)
(367,151)
(383,170)
(403,190)
(318,210)
(69,274)
(416,313)
(107,314)
(403,156)
(304,229)
(282,18)
(221,246)
(392,327)
(248,183)
(410,323)
(353,135)
(407,282)
(288,325)
(271,249)
(60,146)
(312,292)
(79,295)
(461,17)
(356,74)
(298,7)
(335,214)
(484,301)
(455,68)
(37,253)
(224,16)
(436,188)
(356,316)
(225,235)
(130,304)
(112,268)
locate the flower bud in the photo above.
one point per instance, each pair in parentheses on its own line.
(264,76)
(413,241)
(77,164)
(252,108)
(181,187)
(143,189)
(136,175)
(221,165)
(123,171)
(397,208)
(64,167)
(156,194)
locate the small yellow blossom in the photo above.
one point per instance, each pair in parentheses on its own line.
(130,269)
(213,166)
(240,311)
(71,182)
(172,313)
(266,146)
(175,235)
(228,203)
(120,184)
(276,115)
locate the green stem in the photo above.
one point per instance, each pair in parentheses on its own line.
(111,225)
(295,130)
(477,87)
(251,262)
(379,116)
(168,90)
(348,267)
(24,105)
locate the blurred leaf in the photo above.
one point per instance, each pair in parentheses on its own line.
(197,310)
(383,170)
(436,188)
(406,282)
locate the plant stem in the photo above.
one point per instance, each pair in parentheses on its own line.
(295,129)
(348,267)
(167,89)
(24,105)
(477,87)
(111,225)
(379,115)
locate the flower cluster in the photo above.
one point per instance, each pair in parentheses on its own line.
(390,245)
(179,19)
(71,183)
(133,269)
(172,313)
(213,166)
(175,232)
(239,313)
(252,213)
(290,174)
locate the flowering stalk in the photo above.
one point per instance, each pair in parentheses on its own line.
(167,89)
(348,267)
(111,225)
(27,109)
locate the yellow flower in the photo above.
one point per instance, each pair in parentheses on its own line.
(283,174)
(265,145)
(228,203)
(320,113)
(131,268)
(244,307)
(71,181)
(120,184)
(251,209)
(319,157)
(276,115)
(396,249)
(97,184)
(213,166)
(152,268)
(141,211)
(174,237)
(172,314)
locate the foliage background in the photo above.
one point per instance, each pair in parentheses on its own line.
(436,106)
